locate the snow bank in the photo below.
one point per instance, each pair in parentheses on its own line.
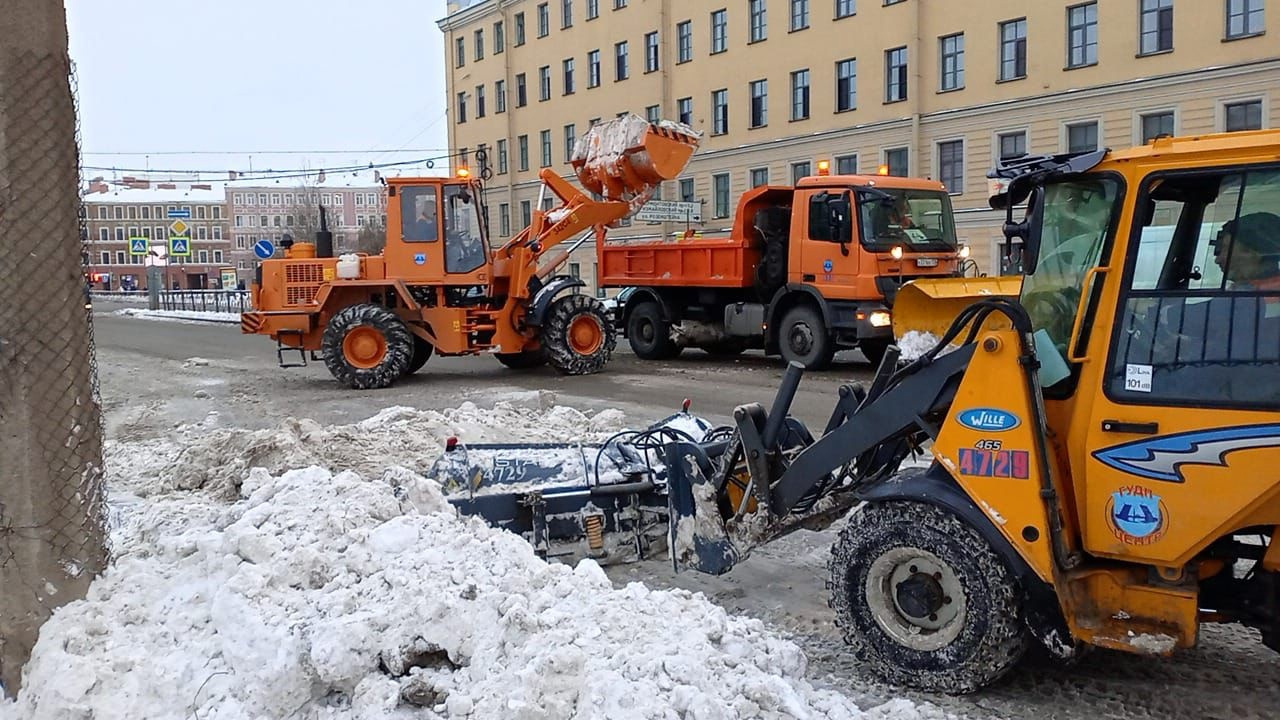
(225,317)
(318,594)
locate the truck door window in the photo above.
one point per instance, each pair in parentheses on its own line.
(829,217)
(1200,322)
(418,217)
(464,240)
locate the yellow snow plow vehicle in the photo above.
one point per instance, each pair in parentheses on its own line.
(1105,447)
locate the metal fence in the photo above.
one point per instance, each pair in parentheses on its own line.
(231,301)
(51,490)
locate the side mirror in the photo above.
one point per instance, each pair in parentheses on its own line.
(840,222)
(1028,230)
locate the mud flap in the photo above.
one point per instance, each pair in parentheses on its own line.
(697,537)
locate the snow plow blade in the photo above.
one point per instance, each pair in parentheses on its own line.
(931,305)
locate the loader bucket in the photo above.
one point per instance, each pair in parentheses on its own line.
(931,305)
(697,536)
(626,157)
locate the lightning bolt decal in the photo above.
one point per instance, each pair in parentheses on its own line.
(1162,458)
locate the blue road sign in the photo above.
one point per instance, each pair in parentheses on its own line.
(138,246)
(264,249)
(179,246)
(180,213)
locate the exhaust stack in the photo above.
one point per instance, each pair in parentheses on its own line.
(324,238)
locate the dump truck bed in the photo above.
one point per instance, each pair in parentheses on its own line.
(724,262)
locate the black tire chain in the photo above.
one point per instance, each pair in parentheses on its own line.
(399,347)
(555,335)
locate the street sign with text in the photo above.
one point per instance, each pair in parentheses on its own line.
(670,211)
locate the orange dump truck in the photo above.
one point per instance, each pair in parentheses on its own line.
(806,270)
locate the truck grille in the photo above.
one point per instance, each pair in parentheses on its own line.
(302,282)
(300,294)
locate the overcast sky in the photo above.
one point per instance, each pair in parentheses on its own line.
(216,76)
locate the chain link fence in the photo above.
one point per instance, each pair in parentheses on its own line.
(52,509)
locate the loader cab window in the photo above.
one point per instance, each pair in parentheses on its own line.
(1200,320)
(916,220)
(464,243)
(419,220)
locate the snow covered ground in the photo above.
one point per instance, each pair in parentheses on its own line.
(226,317)
(309,571)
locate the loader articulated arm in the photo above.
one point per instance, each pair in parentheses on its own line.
(773,478)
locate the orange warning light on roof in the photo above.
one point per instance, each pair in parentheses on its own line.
(824,167)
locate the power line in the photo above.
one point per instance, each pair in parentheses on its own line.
(262,152)
(274,174)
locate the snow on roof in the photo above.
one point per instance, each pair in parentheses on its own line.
(182,193)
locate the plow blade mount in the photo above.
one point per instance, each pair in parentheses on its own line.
(627,157)
(931,305)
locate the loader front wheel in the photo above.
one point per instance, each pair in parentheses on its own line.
(577,335)
(923,599)
(367,346)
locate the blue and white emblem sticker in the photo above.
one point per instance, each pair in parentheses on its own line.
(827,266)
(420,259)
(1137,516)
(988,419)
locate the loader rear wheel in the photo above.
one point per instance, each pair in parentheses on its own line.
(649,334)
(803,338)
(422,351)
(523,360)
(367,346)
(922,598)
(577,335)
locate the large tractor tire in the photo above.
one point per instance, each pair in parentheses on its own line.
(367,346)
(803,338)
(923,600)
(577,335)
(525,360)
(649,334)
(422,351)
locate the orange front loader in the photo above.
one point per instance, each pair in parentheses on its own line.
(438,287)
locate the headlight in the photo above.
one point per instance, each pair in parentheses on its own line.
(896,252)
(964,252)
(880,318)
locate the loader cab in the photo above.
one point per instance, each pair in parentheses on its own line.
(436,231)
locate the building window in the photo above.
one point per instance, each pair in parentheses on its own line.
(217,256)
(845,8)
(504,219)
(568,76)
(593,9)
(460,52)
(1156,29)
(119,211)
(719,31)
(570,139)
(544,82)
(846,85)
(502,156)
(684,110)
(522,92)
(499,38)
(895,74)
(651,51)
(720,190)
(1082,35)
(500,96)
(566,14)
(106,258)
(686,190)
(759,176)
(1082,137)
(544,20)
(846,164)
(575,270)
(523,150)
(799,14)
(120,257)
(1156,124)
(479,101)
(759,103)
(951,50)
(119,234)
(719,112)
(1012,145)
(759,27)
(1244,18)
(1013,49)
(897,161)
(684,41)
(951,165)
(462,107)
(800,171)
(800,95)
(1243,116)
(545,136)
(479,52)
(652,113)
(526,213)
(593,69)
(619,4)
(620,69)
(203,256)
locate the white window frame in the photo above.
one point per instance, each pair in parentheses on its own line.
(1136,124)
(1064,133)
(995,140)
(1220,110)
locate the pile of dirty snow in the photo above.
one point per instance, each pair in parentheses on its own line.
(310,593)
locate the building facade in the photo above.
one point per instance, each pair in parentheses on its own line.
(115,214)
(931,88)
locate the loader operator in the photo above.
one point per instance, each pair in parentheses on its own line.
(1248,251)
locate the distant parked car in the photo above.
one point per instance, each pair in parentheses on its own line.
(614,306)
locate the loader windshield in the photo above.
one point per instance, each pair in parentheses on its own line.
(1077,217)
(915,220)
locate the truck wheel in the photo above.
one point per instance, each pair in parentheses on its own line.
(367,346)
(874,349)
(922,598)
(523,360)
(650,335)
(577,335)
(422,351)
(803,338)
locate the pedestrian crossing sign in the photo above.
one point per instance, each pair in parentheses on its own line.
(138,245)
(179,246)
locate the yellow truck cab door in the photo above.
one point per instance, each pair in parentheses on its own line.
(827,241)
(1183,441)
